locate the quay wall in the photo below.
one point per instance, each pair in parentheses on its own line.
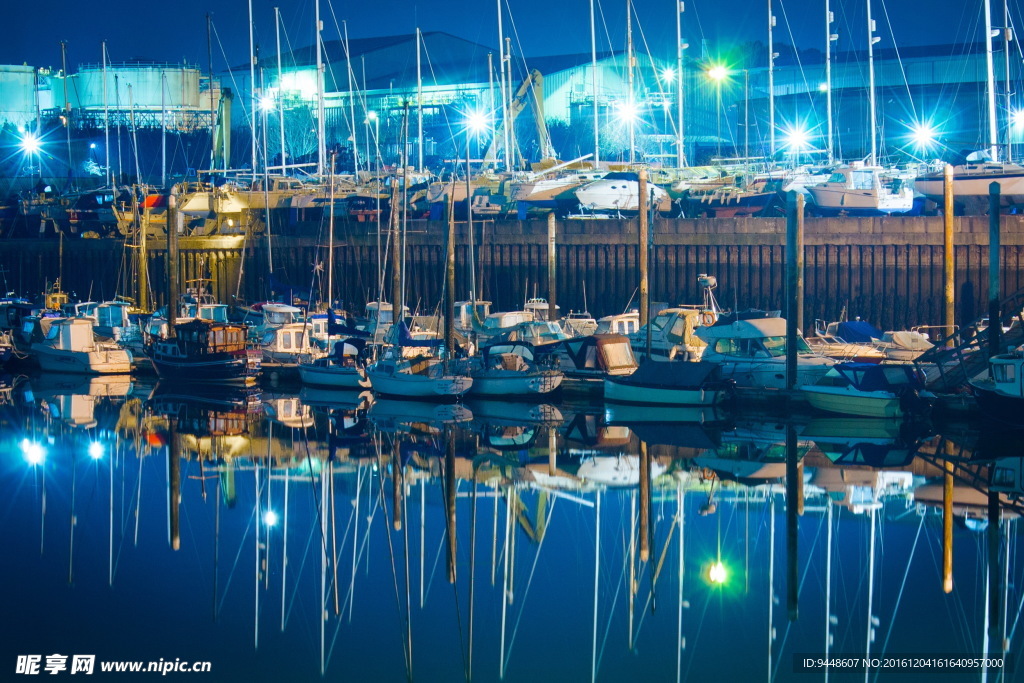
(887,270)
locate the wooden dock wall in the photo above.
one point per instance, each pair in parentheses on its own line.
(887,270)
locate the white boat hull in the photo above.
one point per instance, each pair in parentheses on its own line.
(111,361)
(971,188)
(412,385)
(516,383)
(846,400)
(334,377)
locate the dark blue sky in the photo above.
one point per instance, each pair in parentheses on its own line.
(31,32)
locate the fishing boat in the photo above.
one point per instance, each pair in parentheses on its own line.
(205,351)
(867,390)
(678,384)
(1001,394)
(286,346)
(750,348)
(510,370)
(69,345)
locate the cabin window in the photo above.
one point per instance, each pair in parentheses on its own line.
(730,347)
(863,180)
(837,178)
(1004,373)
(286,340)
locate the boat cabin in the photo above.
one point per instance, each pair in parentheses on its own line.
(276,315)
(464,313)
(623,323)
(293,338)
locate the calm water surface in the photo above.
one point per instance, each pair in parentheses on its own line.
(307,536)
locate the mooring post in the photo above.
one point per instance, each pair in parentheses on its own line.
(794,281)
(449,299)
(645,502)
(449,495)
(172,261)
(947,523)
(792,508)
(948,257)
(995,590)
(552,293)
(994,327)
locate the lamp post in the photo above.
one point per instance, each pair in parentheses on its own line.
(30,145)
(371,117)
(718,74)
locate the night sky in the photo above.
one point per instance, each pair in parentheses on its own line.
(31,31)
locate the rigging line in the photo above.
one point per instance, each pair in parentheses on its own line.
(455,586)
(529,582)
(349,72)
(391,552)
(444,110)
(619,583)
(810,554)
(234,565)
(658,81)
(657,573)
(799,62)
(316,497)
(899,596)
(248,114)
(302,565)
(903,71)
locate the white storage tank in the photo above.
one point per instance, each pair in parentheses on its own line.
(17,95)
(153,86)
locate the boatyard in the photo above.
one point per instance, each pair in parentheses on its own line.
(405,357)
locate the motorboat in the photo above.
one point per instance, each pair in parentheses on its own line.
(673,333)
(618,192)
(867,390)
(751,349)
(971,181)
(1001,394)
(859,190)
(677,384)
(69,345)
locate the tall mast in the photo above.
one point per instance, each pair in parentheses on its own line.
(1007,39)
(163,130)
(280,95)
(321,151)
(501,86)
(67,106)
(106,120)
(771,80)
(872,39)
(680,154)
(629,79)
(419,102)
(213,104)
(252,90)
(829,37)
(593,67)
(351,99)
(993,130)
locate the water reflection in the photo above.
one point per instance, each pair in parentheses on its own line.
(288,536)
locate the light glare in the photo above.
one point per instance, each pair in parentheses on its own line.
(30,143)
(270,518)
(717,73)
(33,452)
(717,573)
(95,450)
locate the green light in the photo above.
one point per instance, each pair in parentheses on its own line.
(717,574)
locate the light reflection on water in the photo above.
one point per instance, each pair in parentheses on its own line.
(314,533)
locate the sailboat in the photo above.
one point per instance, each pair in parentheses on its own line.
(971,179)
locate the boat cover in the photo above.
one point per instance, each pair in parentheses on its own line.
(675,375)
(858,331)
(872,377)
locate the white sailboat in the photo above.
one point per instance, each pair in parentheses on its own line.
(972,178)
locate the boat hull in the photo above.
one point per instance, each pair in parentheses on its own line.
(223,371)
(998,406)
(101,362)
(850,401)
(333,377)
(620,390)
(412,385)
(514,384)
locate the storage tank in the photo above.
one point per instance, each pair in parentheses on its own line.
(17,95)
(153,86)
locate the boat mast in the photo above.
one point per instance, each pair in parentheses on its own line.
(593,75)
(872,39)
(771,81)
(1007,39)
(629,79)
(504,94)
(320,142)
(163,130)
(829,37)
(107,123)
(213,107)
(67,106)
(993,130)
(680,154)
(280,97)
(419,101)
(351,99)
(252,91)
(330,248)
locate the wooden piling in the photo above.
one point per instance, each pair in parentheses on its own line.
(948,255)
(552,268)
(794,281)
(994,326)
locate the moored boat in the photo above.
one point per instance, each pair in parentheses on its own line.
(69,345)
(204,351)
(678,384)
(867,390)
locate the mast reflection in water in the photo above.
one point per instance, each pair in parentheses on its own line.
(289,537)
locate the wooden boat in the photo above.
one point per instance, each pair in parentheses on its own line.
(867,390)
(69,345)
(676,384)
(205,351)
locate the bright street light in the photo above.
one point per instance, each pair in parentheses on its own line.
(718,73)
(668,74)
(923,135)
(476,121)
(30,144)
(95,450)
(270,518)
